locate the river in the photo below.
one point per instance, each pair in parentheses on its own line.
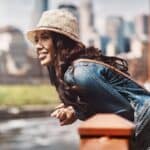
(38,134)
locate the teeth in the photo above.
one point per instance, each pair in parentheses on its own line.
(41,56)
(43,52)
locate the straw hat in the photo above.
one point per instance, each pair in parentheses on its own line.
(60,21)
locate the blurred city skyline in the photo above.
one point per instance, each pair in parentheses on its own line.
(118,28)
(19,13)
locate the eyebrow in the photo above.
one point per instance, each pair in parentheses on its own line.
(45,33)
(42,34)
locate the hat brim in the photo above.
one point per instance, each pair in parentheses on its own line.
(31,34)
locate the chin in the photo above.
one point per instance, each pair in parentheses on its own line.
(45,63)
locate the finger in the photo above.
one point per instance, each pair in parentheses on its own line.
(66,119)
(70,112)
(60,112)
(60,106)
(56,111)
(62,116)
(54,114)
(65,122)
(70,116)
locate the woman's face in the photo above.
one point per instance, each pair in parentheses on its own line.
(44,47)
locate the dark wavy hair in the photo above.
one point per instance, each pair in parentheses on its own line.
(66,51)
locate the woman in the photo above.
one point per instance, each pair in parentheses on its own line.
(87,81)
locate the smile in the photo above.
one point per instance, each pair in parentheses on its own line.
(42,56)
(43,52)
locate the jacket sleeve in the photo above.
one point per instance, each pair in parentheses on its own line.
(98,93)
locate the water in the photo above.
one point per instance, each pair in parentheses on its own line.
(38,134)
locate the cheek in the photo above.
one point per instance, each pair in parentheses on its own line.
(49,56)
(46,60)
(50,45)
(51,52)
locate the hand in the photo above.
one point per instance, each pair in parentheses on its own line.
(66,115)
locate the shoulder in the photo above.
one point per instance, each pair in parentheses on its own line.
(76,72)
(82,72)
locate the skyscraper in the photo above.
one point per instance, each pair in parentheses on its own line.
(39,7)
(89,35)
(142,27)
(115,31)
(72,8)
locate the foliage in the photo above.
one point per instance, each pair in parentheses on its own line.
(18,95)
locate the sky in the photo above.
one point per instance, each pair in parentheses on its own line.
(19,12)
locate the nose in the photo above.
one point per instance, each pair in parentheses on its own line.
(38,46)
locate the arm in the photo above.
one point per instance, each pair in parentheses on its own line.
(98,92)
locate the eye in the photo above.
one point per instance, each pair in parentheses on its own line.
(45,36)
(36,39)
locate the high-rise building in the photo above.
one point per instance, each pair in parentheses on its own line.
(39,7)
(115,31)
(89,35)
(104,40)
(142,27)
(129,29)
(71,8)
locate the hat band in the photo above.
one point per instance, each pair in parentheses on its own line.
(57,28)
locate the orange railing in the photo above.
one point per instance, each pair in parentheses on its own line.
(106,132)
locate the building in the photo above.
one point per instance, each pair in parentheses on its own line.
(129,30)
(71,8)
(14,51)
(142,27)
(16,62)
(104,40)
(39,7)
(89,35)
(115,31)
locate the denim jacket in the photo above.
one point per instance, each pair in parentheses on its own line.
(107,90)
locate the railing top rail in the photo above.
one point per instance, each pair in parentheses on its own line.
(106,125)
